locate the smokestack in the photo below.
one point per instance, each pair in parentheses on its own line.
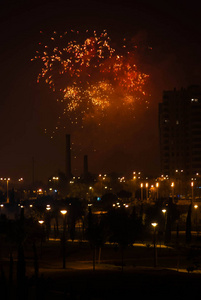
(85,166)
(68,157)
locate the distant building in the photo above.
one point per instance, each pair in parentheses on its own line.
(180,131)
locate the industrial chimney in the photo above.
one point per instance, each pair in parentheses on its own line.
(68,157)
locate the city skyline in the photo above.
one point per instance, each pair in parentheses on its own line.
(27,107)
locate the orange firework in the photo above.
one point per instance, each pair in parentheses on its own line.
(89,75)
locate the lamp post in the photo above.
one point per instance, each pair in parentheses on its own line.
(48,221)
(196,218)
(192,189)
(147,191)
(1,206)
(154,224)
(141,185)
(90,193)
(64,212)
(164,211)
(7,180)
(172,185)
(157,186)
(41,222)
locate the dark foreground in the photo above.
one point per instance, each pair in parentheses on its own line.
(79,280)
(110,284)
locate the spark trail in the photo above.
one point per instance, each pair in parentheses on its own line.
(91,78)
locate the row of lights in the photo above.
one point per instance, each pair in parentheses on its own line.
(8,179)
(118,205)
(154,224)
(63,212)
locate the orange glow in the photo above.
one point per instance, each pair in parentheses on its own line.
(90,77)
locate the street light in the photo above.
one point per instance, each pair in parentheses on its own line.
(141,185)
(192,187)
(164,211)
(154,224)
(48,221)
(41,222)
(7,180)
(1,206)
(48,207)
(64,212)
(196,218)
(172,185)
(147,191)
(157,186)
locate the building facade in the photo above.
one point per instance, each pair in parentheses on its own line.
(180,132)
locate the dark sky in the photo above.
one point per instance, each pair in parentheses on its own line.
(172,29)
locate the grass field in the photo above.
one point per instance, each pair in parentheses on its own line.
(79,280)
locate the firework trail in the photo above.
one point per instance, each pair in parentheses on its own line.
(90,77)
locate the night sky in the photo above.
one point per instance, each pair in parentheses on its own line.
(172,29)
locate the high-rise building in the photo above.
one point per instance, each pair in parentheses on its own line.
(180,131)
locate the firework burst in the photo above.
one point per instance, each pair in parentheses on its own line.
(89,76)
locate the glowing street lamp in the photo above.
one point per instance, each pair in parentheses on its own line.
(172,185)
(196,217)
(1,206)
(41,222)
(64,212)
(192,188)
(164,211)
(7,180)
(141,185)
(147,191)
(157,186)
(48,207)
(154,224)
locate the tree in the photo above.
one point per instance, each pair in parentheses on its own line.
(90,233)
(76,211)
(97,233)
(119,225)
(123,194)
(21,265)
(108,200)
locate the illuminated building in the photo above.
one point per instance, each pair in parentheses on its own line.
(180,131)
